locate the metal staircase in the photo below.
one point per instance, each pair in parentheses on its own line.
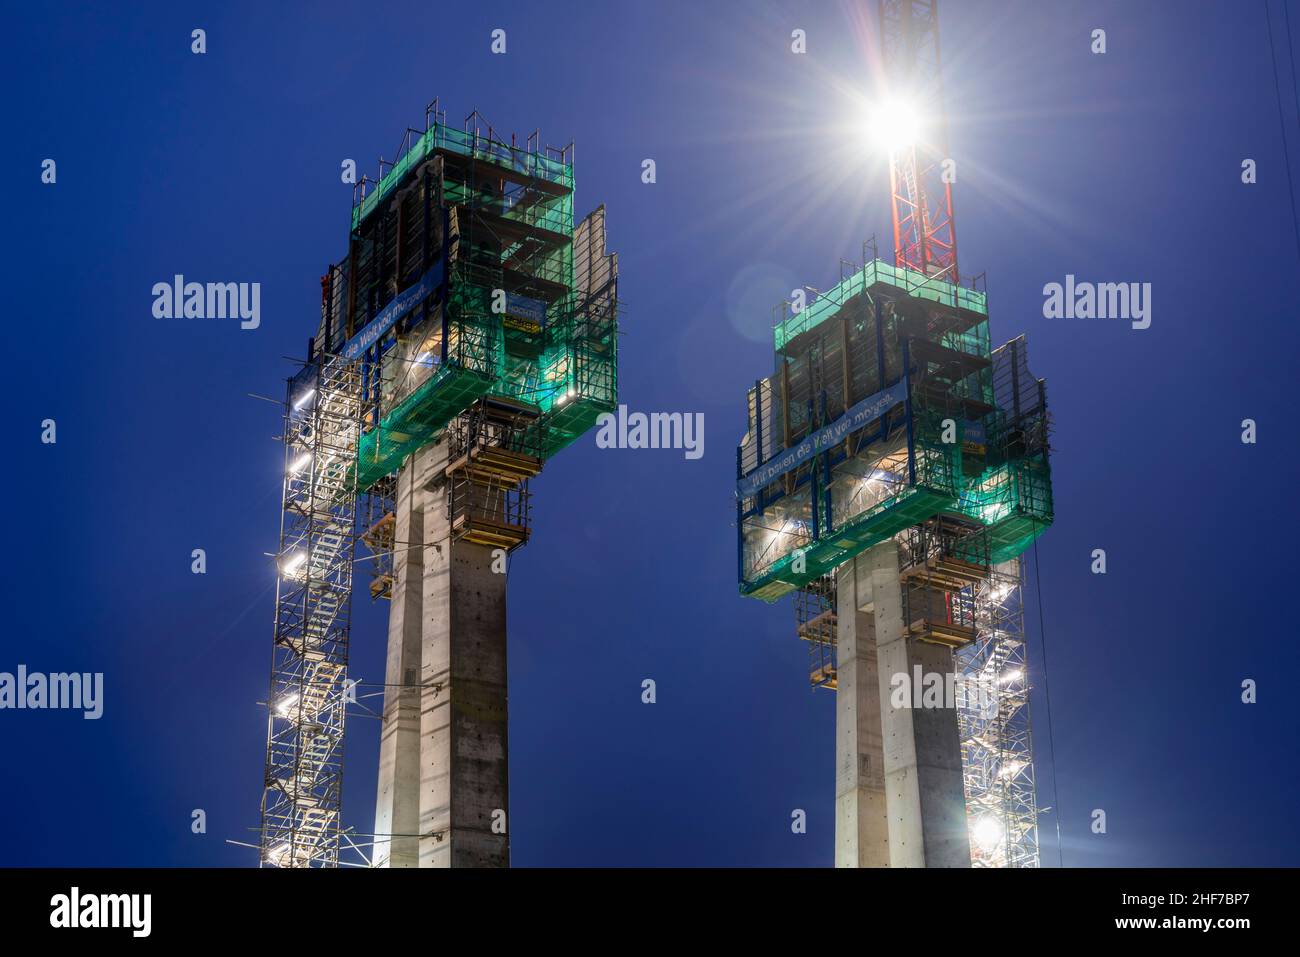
(308,697)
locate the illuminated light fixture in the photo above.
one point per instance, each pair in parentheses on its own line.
(300,464)
(288,702)
(303,399)
(878,477)
(893,124)
(1009,676)
(289,566)
(999,593)
(988,833)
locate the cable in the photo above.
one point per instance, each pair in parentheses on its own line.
(1290,52)
(1047,695)
(1281,119)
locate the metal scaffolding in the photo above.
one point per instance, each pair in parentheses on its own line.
(815,622)
(309,691)
(993,719)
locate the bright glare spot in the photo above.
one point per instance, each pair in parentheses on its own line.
(289,566)
(999,593)
(892,125)
(286,703)
(304,398)
(1012,675)
(300,464)
(987,833)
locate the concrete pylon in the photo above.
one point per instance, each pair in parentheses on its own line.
(925,802)
(861,829)
(448,780)
(397,810)
(464,794)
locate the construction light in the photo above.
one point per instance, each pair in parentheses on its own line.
(893,124)
(287,702)
(288,567)
(300,464)
(988,833)
(1012,675)
(303,399)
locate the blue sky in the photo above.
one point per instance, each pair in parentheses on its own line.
(225,167)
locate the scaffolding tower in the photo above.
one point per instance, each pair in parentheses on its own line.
(993,720)
(302,795)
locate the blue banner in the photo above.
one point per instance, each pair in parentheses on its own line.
(402,303)
(527,313)
(862,414)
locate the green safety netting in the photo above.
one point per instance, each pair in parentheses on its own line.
(936,485)
(1004,487)
(909,281)
(466,143)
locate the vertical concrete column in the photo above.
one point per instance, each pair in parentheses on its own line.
(925,803)
(463,730)
(861,829)
(397,810)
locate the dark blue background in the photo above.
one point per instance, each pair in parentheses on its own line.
(225,167)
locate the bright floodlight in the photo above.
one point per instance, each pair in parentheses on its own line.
(893,124)
(988,833)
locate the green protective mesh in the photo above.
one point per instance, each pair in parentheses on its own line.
(778,550)
(566,368)
(829,303)
(1004,483)
(1013,500)
(465,143)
